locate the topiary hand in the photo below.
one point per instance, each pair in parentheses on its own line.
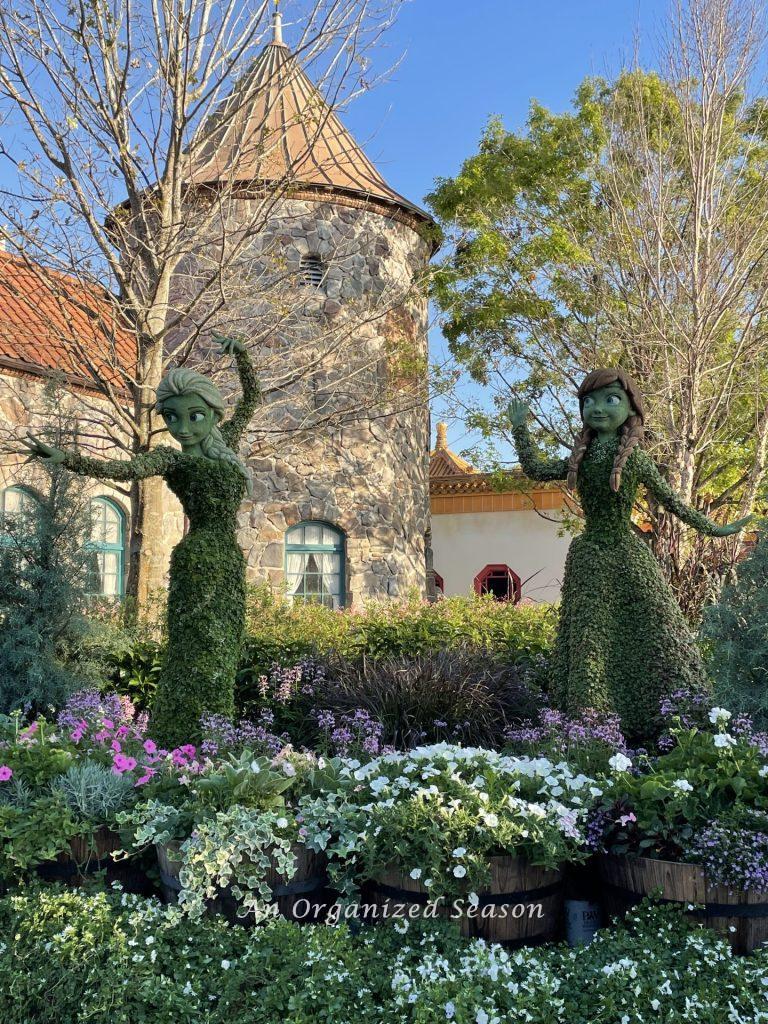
(728,529)
(229,346)
(518,412)
(40,450)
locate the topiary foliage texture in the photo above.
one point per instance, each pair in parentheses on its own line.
(622,641)
(206,596)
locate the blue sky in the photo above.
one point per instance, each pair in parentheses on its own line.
(464,61)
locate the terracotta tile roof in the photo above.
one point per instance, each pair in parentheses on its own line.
(278,126)
(43,312)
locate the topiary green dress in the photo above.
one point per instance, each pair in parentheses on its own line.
(206,592)
(622,641)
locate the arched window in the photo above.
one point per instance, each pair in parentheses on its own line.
(500,581)
(15,502)
(107,542)
(311,271)
(314,564)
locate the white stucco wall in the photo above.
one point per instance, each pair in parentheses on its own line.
(464,543)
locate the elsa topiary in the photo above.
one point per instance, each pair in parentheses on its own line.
(622,641)
(206,596)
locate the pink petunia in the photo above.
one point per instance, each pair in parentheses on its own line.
(144,778)
(108,723)
(77,735)
(150,747)
(123,763)
(116,746)
(188,749)
(5,772)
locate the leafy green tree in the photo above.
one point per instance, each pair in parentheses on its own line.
(629,230)
(736,632)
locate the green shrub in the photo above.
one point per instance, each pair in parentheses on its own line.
(466,694)
(279,633)
(735,631)
(109,958)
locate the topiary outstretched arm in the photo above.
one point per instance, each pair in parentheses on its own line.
(234,428)
(534,464)
(151,463)
(657,486)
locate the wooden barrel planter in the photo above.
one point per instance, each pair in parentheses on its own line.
(739,917)
(87,856)
(305,898)
(522,906)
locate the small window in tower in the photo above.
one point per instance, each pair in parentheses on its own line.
(311,271)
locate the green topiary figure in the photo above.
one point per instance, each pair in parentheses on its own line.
(622,641)
(206,596)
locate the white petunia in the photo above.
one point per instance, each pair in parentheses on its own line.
(683,785)
(379,784)
(416,873)
(620,762)
(459,871)
(450,1011)
(459,851)
(719,715)
(226,964)
(724,740)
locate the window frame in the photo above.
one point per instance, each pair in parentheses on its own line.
(26,492)
(495,568)
(107,548)
(340,549)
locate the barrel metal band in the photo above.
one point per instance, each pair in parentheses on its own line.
(709,909)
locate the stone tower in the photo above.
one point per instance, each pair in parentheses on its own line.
(340,508)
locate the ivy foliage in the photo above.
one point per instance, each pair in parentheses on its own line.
(622,641)
(206,593)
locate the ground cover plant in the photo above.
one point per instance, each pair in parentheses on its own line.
(111,958)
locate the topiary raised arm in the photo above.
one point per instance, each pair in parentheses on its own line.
(233,429)
(534,464)
(648,474)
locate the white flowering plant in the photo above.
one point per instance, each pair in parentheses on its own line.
(437,813)
(656,807)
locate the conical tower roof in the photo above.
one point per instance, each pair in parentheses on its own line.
(277,126)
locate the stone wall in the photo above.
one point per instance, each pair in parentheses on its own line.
(346,441)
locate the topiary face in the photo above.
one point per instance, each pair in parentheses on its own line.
(607,409)
(189,419)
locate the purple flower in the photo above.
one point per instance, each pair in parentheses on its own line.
(5,773)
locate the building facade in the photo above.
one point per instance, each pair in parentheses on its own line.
(339,514)
(507,543)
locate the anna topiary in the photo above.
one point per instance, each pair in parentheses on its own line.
(206,597)
(622,642)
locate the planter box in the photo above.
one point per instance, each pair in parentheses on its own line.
(308,885)
(626,880)
(522,907)
(87,856)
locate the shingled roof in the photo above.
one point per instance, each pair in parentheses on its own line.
(52,321)
(277,126)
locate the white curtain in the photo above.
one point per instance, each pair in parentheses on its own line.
(295,570)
